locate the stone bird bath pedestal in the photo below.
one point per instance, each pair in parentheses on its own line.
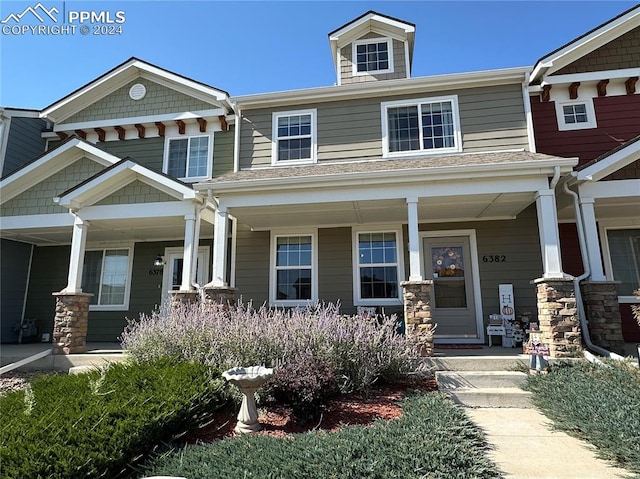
(248,380)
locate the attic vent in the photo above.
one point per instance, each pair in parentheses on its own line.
(137,91)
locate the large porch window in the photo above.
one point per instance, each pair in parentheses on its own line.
(377,267)
(294,271)
(624,251)
(107,275)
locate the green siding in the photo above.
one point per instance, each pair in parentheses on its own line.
(136,192)
(14,270)
(491,118)
(223,152)
(335,277)
(24,142)
(39,198)
(159,100)
(252,265)
(146,151)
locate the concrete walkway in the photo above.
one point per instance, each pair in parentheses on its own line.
(525,447)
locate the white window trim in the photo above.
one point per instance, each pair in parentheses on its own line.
(367,41)
(590,110)
(604,228)
(357,300)
(127,290)
(457,134)
(189,179)
(274,135)
(275,234)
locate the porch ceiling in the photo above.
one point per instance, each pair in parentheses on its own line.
(109,231)
(345,213)
(607,208)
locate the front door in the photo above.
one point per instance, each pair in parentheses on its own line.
(449,263)
(172,274)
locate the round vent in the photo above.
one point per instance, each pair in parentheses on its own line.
(137,91)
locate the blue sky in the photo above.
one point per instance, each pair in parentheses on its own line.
(247,47)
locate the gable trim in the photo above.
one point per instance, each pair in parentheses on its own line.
(611,162)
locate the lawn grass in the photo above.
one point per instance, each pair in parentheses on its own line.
(433,439)
(600,404)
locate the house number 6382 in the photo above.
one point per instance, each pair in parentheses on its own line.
(494,258)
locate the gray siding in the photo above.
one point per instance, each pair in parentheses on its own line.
(335,275)
(491,118)
(24,143)
(146,151)
(252,265)
(159,100)
(346,63)
(39,198)
(14,271)
(223,152)
(136,192)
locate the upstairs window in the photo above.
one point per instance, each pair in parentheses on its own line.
(372,56)
(188,158)
(421,126)
(575,115)
(294,136)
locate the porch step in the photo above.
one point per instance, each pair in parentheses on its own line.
(476,363)
(485,388)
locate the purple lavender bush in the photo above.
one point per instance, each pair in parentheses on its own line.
(360,350)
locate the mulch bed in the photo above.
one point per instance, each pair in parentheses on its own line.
(349,409)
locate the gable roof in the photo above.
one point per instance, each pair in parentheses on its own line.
(585,44)
(610,162)
(50,162)
(121,75)
(115,177)
(372,21)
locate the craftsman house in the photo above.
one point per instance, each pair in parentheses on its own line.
(585,102)
(370,192)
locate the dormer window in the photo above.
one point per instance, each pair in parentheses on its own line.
(373,56)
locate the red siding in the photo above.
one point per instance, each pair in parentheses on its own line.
(570,249)
(630,329)
(618,119)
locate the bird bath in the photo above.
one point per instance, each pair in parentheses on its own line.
(248,380)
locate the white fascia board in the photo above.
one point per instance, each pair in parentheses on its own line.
(372,17)
(591,76)
(611,189)
(542,168)
(54,220)
(391,87)
(190,115)
(47,165)
(610,164)
(587,44)
(18,113)
(144,210)
(154,73)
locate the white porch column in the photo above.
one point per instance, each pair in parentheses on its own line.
(76,259)
(189,246)
(549,235)
(414,240)
(220,234)
(196,245)
(591,238)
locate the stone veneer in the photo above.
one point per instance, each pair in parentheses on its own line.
(558,317)
(224,295)
(417,313)
(184,297)
(70,323)
(602,309)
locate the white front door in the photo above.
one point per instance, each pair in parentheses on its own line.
(450,263)
(172,273)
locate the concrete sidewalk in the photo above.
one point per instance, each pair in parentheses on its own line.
(525,447)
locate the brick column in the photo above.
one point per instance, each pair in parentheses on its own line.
(223,295)
(558,317)
(417,313)
(602,309)
(70,323)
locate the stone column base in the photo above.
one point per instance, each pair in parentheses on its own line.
(184,297)
(558,317)
(417,313)
(223,295)
(602,309)
(70,323)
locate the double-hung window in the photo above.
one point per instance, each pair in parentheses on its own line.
(377,267)
(373,56)
(294,137)
(430,125)
(294,270)
(188,157)
(106,274)
(624,254)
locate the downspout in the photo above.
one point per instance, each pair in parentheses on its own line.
(576,281)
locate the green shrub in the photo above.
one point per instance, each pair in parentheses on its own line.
(98,424)
(600,404)
(434,439)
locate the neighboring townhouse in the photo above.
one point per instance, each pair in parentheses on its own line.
(413,195)
(585,103)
